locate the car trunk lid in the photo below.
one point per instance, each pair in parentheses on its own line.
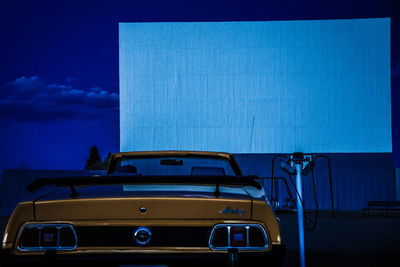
(132,202)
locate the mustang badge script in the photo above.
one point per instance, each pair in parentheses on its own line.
(228,210)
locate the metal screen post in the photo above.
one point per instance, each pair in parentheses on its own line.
(299,165)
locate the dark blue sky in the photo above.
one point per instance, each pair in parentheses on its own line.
(59,66)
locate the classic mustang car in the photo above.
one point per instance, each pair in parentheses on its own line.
(168,207)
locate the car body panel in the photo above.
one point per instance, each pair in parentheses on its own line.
(179,206)
(129,208)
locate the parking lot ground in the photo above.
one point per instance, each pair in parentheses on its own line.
(347,240)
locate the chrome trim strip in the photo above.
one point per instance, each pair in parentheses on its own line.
(228,226)
(229,235)
(58,226)
(247,236)
(58,235)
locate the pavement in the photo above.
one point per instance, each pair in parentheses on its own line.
(347,240)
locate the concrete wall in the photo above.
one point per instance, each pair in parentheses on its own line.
(356,179)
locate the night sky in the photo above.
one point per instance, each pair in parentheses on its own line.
(59,67)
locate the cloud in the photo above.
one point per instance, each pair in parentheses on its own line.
(34,99)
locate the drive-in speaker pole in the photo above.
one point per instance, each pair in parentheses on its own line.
(298,159)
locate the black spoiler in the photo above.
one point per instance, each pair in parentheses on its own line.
(137,179)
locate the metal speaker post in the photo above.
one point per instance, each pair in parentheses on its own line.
(298,159)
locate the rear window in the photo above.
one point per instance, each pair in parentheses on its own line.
(174,166)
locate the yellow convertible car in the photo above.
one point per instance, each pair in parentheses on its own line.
(165,207)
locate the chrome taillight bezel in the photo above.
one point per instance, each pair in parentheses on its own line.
(57,226)
(229,226)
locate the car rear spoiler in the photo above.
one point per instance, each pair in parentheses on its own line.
(74,181)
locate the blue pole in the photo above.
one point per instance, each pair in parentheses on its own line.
(300,214)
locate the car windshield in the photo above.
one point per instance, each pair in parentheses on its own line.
(174,166)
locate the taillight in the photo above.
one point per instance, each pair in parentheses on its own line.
(47,236)
(30,237)
(220,237)
(240,236)
(256,238)
(67,237)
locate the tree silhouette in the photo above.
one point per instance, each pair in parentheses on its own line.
(93,162)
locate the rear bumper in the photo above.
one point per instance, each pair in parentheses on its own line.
(274,257)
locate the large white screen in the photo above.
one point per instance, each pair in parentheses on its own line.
(261,87)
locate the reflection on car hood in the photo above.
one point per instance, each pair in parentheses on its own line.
(187,190)
(164,190)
